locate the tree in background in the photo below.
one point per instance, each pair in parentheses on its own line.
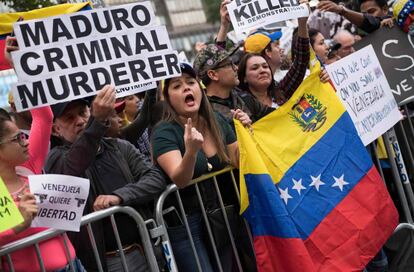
(26,5)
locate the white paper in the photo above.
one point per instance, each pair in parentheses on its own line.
(61,200)
(363,89)
(248,15)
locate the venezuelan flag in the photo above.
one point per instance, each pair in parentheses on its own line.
(309,190)
(8,19)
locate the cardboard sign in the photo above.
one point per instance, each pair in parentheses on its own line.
(10,215)
(60,199)
(246,15)
(395,51)
(361,85)
(71,56)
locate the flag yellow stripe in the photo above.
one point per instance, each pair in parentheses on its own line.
(278,141)
(282,139)
(8,19)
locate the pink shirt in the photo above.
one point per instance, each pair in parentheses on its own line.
(53,250)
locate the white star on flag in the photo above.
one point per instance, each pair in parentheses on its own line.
(298,185)
(284,194)
(316,182)
(340,182)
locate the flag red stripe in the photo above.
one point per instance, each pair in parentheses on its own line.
(352,234)
(281,254)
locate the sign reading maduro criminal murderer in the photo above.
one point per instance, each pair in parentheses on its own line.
(72,56)
(60,199)
(246,15)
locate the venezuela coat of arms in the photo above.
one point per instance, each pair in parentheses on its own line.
(309,113)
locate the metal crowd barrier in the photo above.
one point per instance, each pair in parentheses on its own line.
(161,230)
(399,158)
(36,239)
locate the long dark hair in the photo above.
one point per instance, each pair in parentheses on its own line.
(207,114)
(244,86)
(312,32)
(4,118)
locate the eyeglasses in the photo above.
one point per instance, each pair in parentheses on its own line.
(20,138)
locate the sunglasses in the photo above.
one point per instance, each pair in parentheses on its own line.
(20,138)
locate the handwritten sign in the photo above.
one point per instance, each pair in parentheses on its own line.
(246,15)
(361,85)
(60,199)
(9,213)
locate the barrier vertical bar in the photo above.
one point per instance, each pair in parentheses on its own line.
(226,220)
(210,233)
(410,123)
(374,149)
(187,227)
(410,154)
(246,225)
(397,180)
(94,247)
(67,253)
(10,263)
(118,243)
(39,258)
(401,167)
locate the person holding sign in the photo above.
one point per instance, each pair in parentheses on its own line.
(19,158)
(255,69)
(118,174)
(191,141)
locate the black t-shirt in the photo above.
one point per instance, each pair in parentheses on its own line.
(169,136)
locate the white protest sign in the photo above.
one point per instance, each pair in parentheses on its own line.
(246,15)
(363,89)
(60,199)
(71,56)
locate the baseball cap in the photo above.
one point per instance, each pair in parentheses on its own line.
(257,41)
(210,56)
(185,69)
(59,108)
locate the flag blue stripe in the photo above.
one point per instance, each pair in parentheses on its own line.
(328,158)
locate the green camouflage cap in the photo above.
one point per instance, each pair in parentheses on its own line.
(208,58)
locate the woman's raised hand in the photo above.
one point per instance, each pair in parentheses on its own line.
(28,209)
(193,139)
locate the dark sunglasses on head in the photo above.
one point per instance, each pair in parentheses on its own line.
(20,138)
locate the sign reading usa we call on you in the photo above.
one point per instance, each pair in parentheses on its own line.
(71,56)
(363,89)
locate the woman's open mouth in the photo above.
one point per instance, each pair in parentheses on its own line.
(189,100)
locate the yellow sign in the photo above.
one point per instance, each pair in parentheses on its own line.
(10,215)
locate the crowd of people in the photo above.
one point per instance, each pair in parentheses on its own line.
(131,148)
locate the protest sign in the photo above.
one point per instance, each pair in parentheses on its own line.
(246,15)
(361,85)
(71,56)
(10,215)
(395,51)
(60,199)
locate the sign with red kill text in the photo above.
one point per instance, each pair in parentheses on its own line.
(361,85)
(60,199)
(246,15)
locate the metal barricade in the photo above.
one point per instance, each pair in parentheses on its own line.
(161,230)
(36,239)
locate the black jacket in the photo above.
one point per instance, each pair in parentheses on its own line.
(141,185)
